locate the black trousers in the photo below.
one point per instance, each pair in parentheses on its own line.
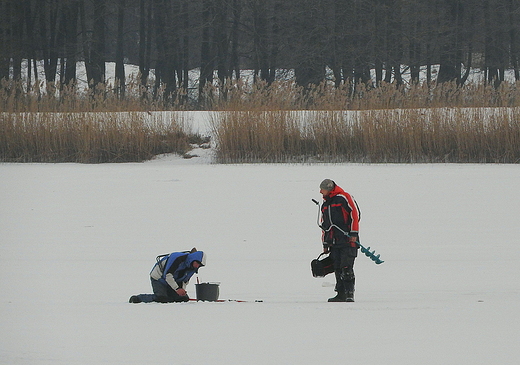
(344,255)
(165,294)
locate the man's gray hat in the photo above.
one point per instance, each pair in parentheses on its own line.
(327,184)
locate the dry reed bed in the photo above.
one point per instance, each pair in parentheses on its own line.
(88,137)
(238,95)
(16,96)
(286,95)
(478,135)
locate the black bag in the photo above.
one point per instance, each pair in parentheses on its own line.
(322,267)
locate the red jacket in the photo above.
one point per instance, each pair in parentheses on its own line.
(339,217)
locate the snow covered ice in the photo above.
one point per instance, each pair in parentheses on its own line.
(78,240)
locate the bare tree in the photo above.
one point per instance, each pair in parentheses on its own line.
(5,41)
(308,33)
(97,58)
(186,28)
(514,11)
(222,39)
(70,15)
(352,37)
(496,40)
(120,66)
(235,59)
(450,39)
(206,51)
(145,40)
(49,25)
(167,42)
(260,39)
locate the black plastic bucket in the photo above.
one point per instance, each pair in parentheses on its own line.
(207,291)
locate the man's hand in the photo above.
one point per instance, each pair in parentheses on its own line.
(352,239)
(181,292)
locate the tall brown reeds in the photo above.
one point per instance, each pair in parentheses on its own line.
(480,135)
(88,137)
(253,136)
(237,95)
(265,122)
(286,95)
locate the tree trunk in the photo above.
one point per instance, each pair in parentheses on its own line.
(145,42)
(49,25)
(415,53)
(5,42)
(260,40)
(496,46)
(221,40)
(31,44)
(235,62)
(449,67)
(120,65)
(275,41)
(392,40)
(84,43)
(309,67)
(17,38)
(381,52)
(206,59)
(186,45)
(70,20)
(98,44)
(513,37)
(166,47)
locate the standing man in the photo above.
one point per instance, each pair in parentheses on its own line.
(340,224)
(170,275)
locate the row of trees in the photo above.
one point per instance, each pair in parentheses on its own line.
(222,37)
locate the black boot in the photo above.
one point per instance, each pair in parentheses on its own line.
(134,299)
(349,297)
(340,297)
(340,288)
(349,282)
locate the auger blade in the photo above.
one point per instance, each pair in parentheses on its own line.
(372,255)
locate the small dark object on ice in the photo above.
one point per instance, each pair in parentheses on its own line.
(187,156)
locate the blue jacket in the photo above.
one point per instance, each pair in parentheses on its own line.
(178,265)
